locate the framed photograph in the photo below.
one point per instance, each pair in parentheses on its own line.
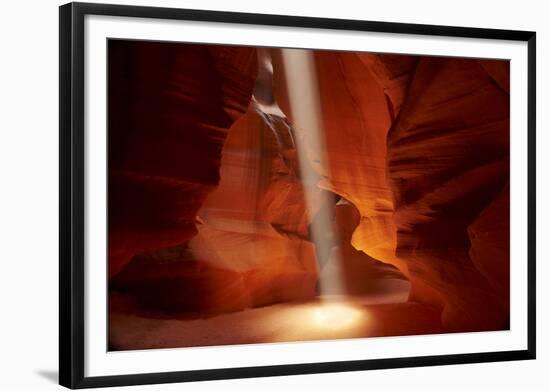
(248,195)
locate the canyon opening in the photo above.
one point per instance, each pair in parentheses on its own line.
(260,195)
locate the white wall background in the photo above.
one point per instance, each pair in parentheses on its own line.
(28,193)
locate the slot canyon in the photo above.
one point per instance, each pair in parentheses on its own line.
(261,195)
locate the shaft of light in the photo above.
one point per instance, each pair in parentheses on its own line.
(301,81)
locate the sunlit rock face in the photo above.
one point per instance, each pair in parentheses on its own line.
(363,276)
(420,146)
(255,221)
(355,120)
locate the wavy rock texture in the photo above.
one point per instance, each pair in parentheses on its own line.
(170,120)
(255,221)
(207,215)
(251,248)
(170,107)
(356,120)
(420,146)
(448,158)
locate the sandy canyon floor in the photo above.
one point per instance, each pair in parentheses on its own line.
(306,321)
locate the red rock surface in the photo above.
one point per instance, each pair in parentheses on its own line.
(420,146)
(255,221)
(171,185)
(207,215)
(448,158)
(356,120)
(170,106)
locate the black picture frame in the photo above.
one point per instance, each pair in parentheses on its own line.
(71,190)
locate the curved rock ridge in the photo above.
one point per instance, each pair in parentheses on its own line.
(356,120)
(420,145)
(170,106)
(448,158)
(207,206)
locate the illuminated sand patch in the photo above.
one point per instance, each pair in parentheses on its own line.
(336,316)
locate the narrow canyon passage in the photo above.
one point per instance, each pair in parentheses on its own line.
(273,195)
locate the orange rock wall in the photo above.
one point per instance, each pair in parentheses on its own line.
(170,107)
(205,216)
(448,160)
